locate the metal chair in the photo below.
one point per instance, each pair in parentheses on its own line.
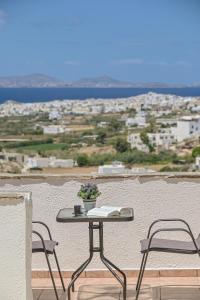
(48,248)
(165,245)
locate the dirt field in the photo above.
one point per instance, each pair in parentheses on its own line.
(75,170)
(80,127)
(97,150)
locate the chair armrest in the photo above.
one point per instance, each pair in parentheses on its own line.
(168,220)
(177,230)
(43,224)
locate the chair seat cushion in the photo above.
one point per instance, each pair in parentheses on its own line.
(37,246)
(172,246)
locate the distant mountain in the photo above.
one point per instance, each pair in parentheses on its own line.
(33,80)
(107,82)
(103,81)
(41,81)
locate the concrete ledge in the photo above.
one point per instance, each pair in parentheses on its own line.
(129,273)
(72,176)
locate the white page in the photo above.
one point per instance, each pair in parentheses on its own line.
(112,208)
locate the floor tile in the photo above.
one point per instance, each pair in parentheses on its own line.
(164,288)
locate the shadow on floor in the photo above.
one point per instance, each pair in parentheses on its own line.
(47,294)
(113,292)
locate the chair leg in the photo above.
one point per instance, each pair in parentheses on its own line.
(51,274)
(143,265)
(59,271)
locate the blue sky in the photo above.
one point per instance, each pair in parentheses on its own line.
(133,40)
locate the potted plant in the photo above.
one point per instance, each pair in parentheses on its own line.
(89,193)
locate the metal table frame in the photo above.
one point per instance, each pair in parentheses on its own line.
(96,223)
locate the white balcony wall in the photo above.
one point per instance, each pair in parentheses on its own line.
(15,246)
(152,197)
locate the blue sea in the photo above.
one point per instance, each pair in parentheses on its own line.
(27,95)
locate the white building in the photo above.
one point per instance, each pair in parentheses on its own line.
(187,127)
(197,162)
(115,168)
(142,170)
(36,162)
(160,139)
(46,162)
(54,115)
(11,157)
(55,129)
(139,120)
(61,163)
(102,124)
(136,142)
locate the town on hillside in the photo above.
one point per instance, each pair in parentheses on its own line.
(146,133)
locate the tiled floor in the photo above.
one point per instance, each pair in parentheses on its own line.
(166,288)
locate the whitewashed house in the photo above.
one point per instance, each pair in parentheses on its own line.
(197,162)
(61,163)
(162,139)
(136,142)
(55,129)
(36,162)
(187,127)
(114,168)
(139,120)
(46,162)
(11,157)
(54,115)
(159,139)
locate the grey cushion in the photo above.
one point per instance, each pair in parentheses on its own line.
(173,246)
(37,246)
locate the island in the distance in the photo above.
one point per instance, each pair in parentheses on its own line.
(43,81)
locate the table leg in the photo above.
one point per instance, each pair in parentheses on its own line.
(81,269)
(109,264)
(111,267)
(123,282)
(75,276)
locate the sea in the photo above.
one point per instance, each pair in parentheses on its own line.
(30,95)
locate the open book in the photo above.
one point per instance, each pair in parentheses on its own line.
(109,211)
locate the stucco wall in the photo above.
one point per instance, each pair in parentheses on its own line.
(152,197)
(15,246)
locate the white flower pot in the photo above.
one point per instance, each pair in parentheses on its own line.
(88,205)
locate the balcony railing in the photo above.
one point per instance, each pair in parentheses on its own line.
(152,196)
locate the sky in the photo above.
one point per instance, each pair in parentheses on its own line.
(131,40)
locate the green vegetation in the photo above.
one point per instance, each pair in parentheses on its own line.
(196,152)
(175,169)
(145,139)
(89,192)
(129,157)
(44,147)
(82,160)
(101,138)
(115,125)
(24,144)
(22,125)
(88,143)
(121,145)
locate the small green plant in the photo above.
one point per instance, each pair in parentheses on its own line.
(89,192)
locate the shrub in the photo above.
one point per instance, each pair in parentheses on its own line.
(122,145)
(196,152)
(82,160)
